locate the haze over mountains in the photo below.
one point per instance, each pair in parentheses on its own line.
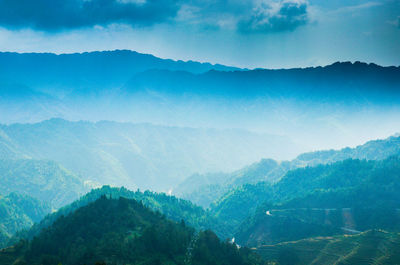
(123,158)
(128,86)
(137,155)
(205,189)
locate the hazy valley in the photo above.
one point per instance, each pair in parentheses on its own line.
(124,159)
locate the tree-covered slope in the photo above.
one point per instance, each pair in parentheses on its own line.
(170,206)
(19,212)
(350,194)
(211,188)
(123,231)
(45,180)
(370,247)
(372,150)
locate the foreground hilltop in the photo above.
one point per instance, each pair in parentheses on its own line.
(123,231)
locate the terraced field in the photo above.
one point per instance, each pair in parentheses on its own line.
(371,247)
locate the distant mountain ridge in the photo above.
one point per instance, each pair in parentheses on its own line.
(142,155)
(88,68)
(207,188)
(329,82)
(35,87)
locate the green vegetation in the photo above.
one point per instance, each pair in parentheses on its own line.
(44,180)
(351,194)
(371,247)
(123,231)
(208,189)
(170,206)
(19,212)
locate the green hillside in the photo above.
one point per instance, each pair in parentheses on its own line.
(364,192)
(123,231)
(371,247)
(19,212)
(208,188)
(172,207)
(45,180)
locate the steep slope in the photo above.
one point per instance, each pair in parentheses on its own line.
(371,247)
(206,189)
(19,212)
(140,155)
(124,231)
(45,180)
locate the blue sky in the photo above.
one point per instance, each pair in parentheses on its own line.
(252,33)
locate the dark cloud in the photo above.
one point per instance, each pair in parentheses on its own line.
(55,15)
(245,15)
(275,16)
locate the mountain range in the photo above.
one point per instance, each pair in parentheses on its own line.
(135,155)
(205,189)
(130,87)
(118,157)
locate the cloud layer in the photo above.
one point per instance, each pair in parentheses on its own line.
(247,16)
(55,15)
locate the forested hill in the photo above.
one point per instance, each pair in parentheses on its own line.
(123,231)
(353,194)
(19,212)
(170,206)
(205,189)
(45,180)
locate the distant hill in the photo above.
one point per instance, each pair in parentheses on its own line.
(371,247)
(331,83)
(45,180)
(127,86)
(40,86)
(204,189)
(19,212)
(142,156)
(208,188)
(123,231)
(89,70)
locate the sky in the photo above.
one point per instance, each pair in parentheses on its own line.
(243,33)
